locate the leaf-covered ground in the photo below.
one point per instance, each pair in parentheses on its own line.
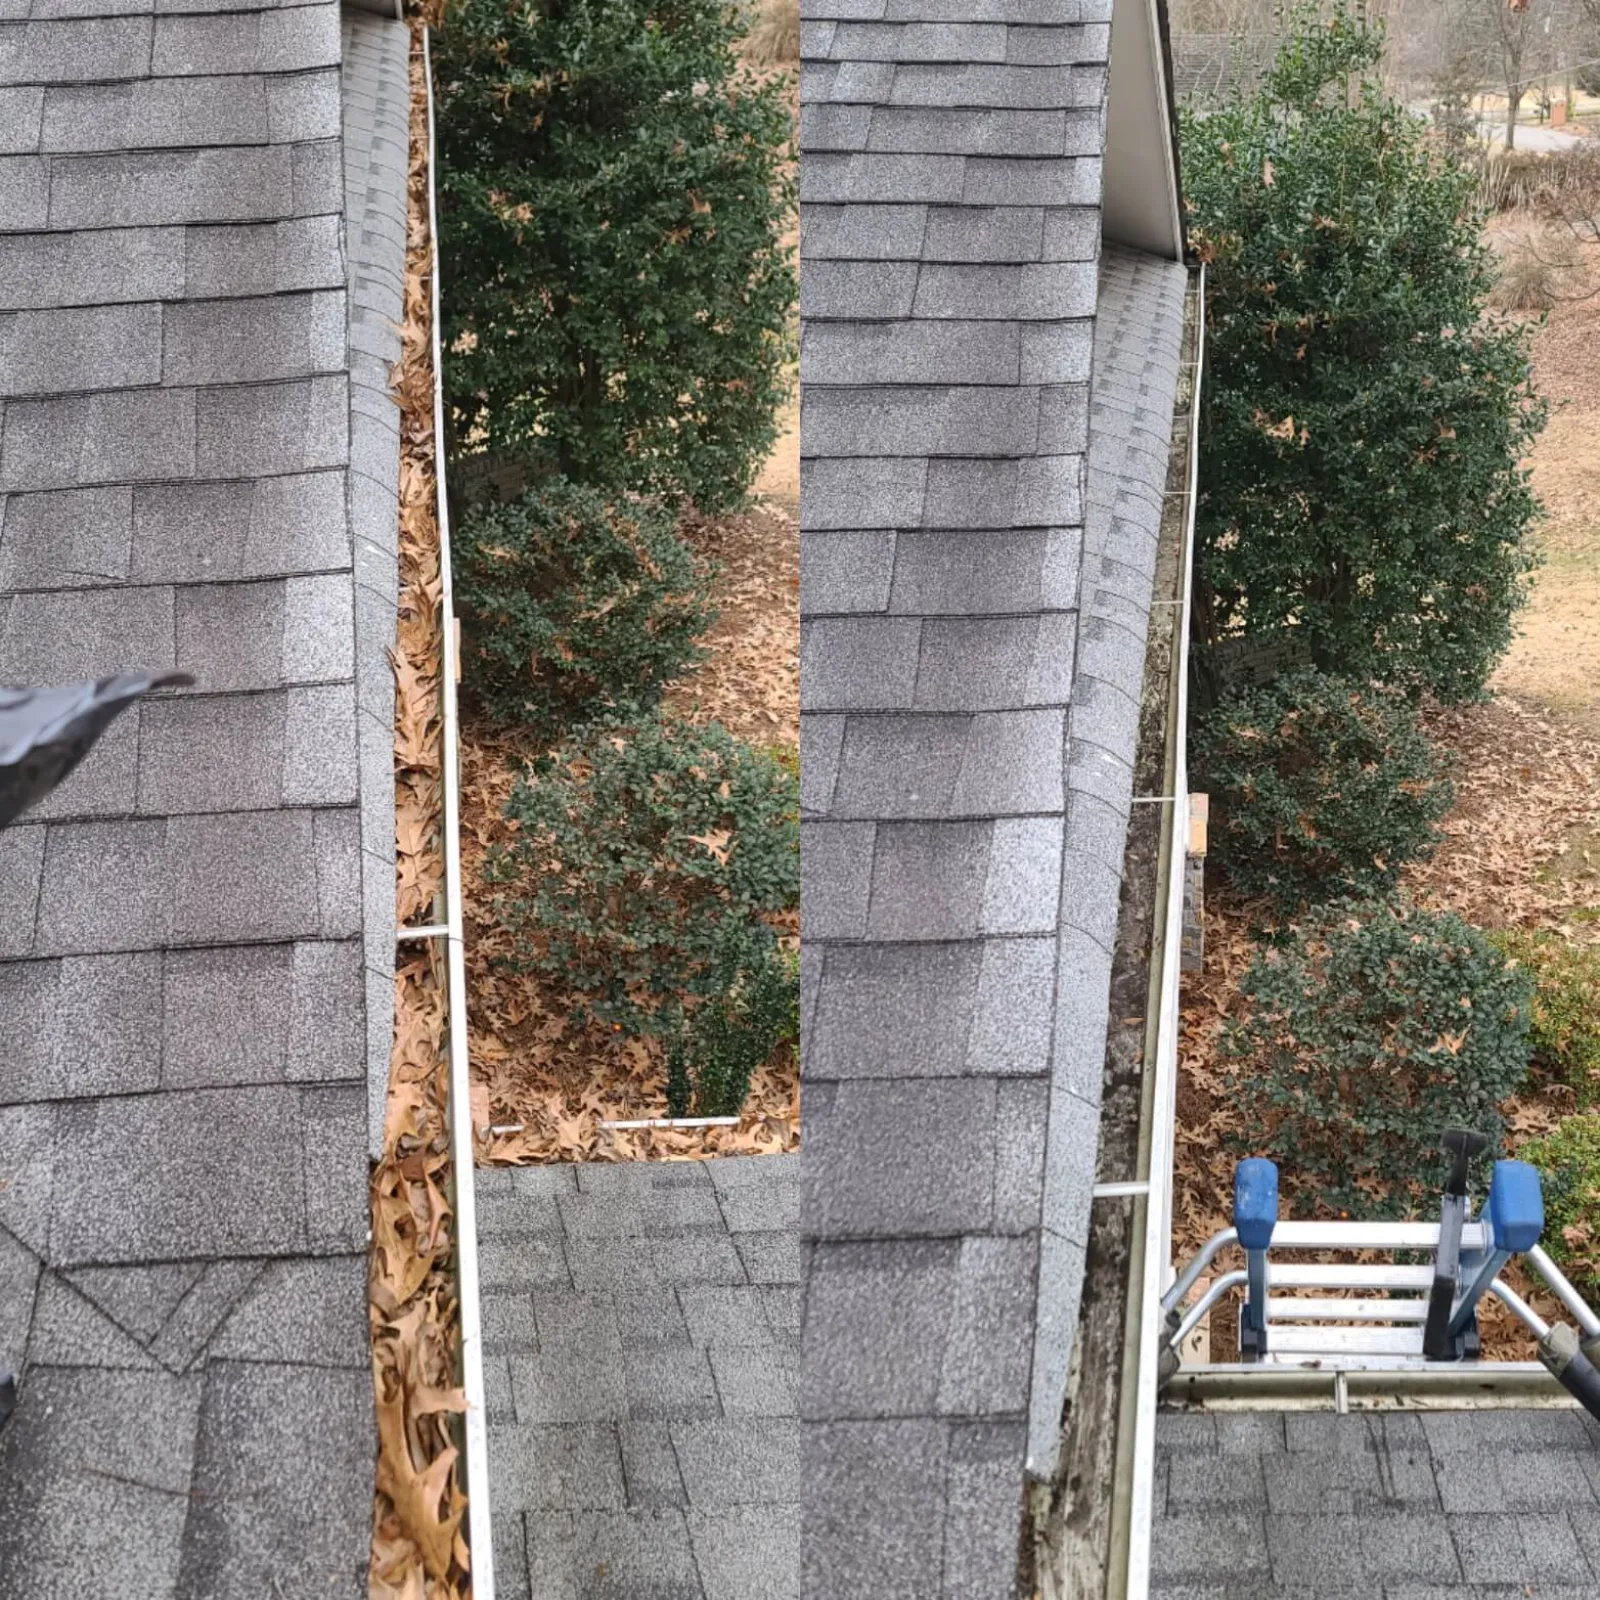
(533,1062)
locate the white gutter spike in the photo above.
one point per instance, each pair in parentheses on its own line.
(1158,1208)
(479,1537)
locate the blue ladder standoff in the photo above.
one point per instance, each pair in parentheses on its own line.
(1300,1313)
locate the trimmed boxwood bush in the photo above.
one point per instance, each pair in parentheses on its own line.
(576,603)
(1566,1006)
(727,1037)
(1371,1030)
(646,863)
(612,206)
(1569,1159)
(1322,788)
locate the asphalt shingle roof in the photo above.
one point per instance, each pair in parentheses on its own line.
(972,641)
(1447,1505)
(641,1331)
(195,923)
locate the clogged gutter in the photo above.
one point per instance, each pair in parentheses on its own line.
(419,1551)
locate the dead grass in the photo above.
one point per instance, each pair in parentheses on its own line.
(773,39)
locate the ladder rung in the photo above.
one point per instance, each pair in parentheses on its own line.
(1370,1236)
(1339,1275)
(1344,1341)
(1291,1309)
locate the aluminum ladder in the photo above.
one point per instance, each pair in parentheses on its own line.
(1361,1315)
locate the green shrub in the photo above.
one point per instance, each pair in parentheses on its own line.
(575,603)
(1569,1160)
(645,864)
(1322,788)
(1369,1032)
(1361,482)
(726,1038)
(612,204)
(1566,1006)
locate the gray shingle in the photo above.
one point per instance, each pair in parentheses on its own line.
(534,1468)
(247,430)
(51,352)
(229,635)
(738,1460)
(65,539)
(913,1157)
(78,51)
(81,1433)
(864,492)
(1012,1021)
(263,257)
(1010,88)
(895,1009)
(899,766)
(289,40)
(860,289)
(218,753)
(667,1383)
(839,572)
(1019,133)
(155,113)
(876,1326)
(861,232)
(104,887)
(22,853)
(226,1022)
(919,41)
(1011,764)
(21,112)
(918,352)
(876,1509)
(985,1524)
(24,191)
(154,187)
(971,421)
(51,269)
(233,341)
(243,876)
(989,1351)
(253,1525)
(101,438)
(67,635)
(860,663)
(320,748)
(1025,292)
(179,1176)
(928,880)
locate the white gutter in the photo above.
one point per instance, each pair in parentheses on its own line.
(1158,1208)
(479,1538)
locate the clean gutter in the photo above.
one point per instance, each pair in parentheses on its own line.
(476,1457)
(1155,1268)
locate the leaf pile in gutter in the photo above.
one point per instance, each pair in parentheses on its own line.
(418,1549)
